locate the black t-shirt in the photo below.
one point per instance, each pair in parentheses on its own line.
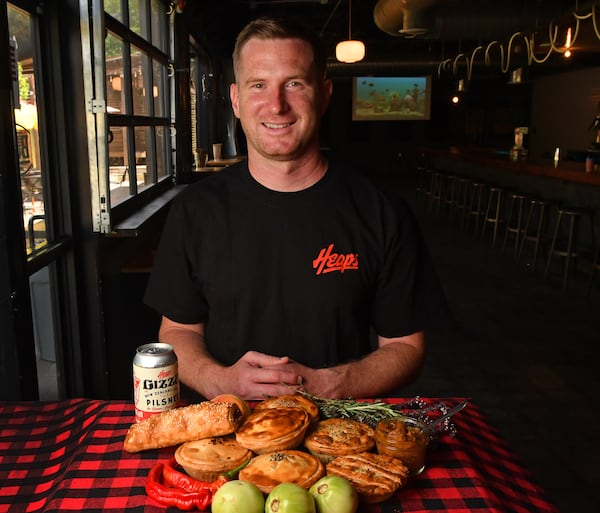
(303,274)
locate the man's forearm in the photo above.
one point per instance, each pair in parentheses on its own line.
(197,368)
(387,368)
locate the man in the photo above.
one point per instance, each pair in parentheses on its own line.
(271,274)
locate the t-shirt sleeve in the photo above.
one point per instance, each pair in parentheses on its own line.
(173,288)
(409,296)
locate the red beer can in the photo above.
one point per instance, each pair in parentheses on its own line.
(155,379)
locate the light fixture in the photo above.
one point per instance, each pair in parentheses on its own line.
(350,50)
(568,43)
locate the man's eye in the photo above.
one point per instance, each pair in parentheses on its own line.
(257,86)
(294,83)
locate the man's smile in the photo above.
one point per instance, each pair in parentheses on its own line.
(277,125)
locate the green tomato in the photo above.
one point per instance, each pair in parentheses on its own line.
(289,498)
(334,494)
(238,497)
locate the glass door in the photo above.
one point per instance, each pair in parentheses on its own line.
(35,208)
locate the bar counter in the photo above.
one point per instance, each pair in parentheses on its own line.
(567,184)
(68,456)
(566,171)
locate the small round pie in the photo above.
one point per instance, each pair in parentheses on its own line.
(208,458)
(273,429)
(268,470)
(291,400)
(338,437)
(376,477)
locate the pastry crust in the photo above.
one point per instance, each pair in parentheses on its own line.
(268,470)
(291,400)
(376,477)
(273,429)
(179,425)
(208,458)
(338,437)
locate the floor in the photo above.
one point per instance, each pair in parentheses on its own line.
(525,350)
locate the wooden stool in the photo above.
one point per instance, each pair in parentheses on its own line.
(493,212)
(533,231)
(566,248)
(514,220)
(475,204)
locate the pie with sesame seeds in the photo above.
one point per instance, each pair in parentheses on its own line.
(268,470)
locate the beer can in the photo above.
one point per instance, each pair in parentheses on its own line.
(155,380)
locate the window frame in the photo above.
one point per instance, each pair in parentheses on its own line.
(96,24)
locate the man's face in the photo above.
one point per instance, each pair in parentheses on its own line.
(278,98)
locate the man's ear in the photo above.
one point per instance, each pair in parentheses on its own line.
(234,97)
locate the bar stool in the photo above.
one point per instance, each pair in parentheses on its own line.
(449,194)
(493,212)
(461,192)
(567,248)
(423,181)
(475,204)
(534,228)
(595,267)
(437,191)
(514,220)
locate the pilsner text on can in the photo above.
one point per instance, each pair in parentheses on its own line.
(155,380)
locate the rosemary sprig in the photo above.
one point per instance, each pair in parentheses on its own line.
(368,412)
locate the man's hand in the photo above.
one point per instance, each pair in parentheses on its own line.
(257,375)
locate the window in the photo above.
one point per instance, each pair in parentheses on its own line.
(131,125)
(137,88)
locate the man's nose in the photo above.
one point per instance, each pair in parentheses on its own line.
(278,100)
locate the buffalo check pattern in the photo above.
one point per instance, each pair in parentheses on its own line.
(68,456)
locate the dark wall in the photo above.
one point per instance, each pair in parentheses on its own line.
(486,116)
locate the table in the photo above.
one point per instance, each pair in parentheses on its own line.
(224,162)
(68,456)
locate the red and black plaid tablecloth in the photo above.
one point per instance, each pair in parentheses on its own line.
(68,456)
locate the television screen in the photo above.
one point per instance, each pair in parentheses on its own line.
(391,98)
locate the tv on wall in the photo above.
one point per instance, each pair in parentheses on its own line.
(391,98)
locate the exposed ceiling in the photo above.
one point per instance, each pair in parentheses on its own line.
(414,34)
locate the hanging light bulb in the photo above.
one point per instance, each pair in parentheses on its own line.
(351,50)
(568,42)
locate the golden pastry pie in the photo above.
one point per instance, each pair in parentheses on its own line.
(184,424)
(268,470)
(296,400)
(338,437)
(208,458)
(376,477)
(273,429)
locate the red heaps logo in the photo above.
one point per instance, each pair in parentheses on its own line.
(328,261)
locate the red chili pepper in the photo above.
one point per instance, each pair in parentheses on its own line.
(176,497)
(178,479)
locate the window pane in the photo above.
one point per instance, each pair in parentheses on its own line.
(140,64)
(159,25)
(138,18)
(115,85)
(162,156)
(27,128)
(143,177)
(159,89)
(118,165)
(113,7)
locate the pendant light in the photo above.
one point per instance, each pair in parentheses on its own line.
(350,50)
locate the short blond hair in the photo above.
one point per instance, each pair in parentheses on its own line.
(279,28)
